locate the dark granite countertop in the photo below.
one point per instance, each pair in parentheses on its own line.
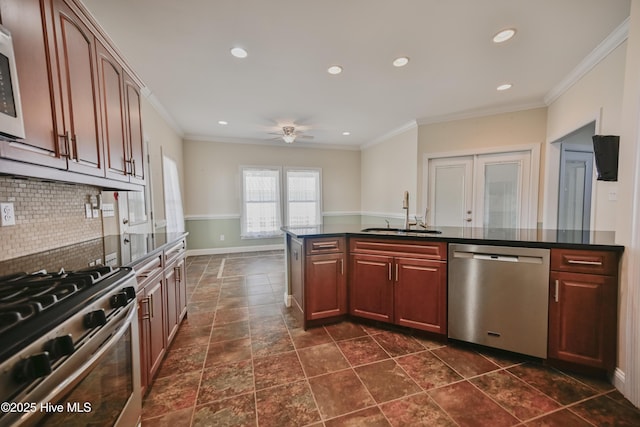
(116,250)
(573,239)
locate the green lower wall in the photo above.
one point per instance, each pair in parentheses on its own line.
(204,234)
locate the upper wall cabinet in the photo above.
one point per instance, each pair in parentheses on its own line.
(75,87)
(81,108)
(121,119)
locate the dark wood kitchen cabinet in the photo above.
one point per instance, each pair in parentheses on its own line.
(71,44)
(317,274)
(81,107)
(151,314)
(176,301)
(121,120)
(41,145)
(162,304)
(399,282)
(583,303)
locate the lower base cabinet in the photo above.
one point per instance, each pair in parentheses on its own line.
(583,303)
(162,304)
(399,283)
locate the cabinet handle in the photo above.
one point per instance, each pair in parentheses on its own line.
(66,145)
(127,167)
(145,301)
(177,272)
(556,296)
(580,262)
(133,167)
(397,272)
(151,316)
(342,266)
(390,278)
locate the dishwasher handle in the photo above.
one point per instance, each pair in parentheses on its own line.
(483,256)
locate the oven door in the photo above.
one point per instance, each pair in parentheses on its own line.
(98,385)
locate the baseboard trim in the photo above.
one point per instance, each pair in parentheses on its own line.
(235,249)
(618,379)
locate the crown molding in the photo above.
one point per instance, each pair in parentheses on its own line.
(157,105)
(481,112)
(611,42)
(395,132)
(274,143)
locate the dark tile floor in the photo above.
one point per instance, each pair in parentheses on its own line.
(242,359)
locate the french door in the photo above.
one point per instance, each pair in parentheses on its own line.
(485,190)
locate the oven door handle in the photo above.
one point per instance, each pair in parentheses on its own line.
(61,386)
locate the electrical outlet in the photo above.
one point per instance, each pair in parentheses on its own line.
(222,237)
(87,210)
(8,215)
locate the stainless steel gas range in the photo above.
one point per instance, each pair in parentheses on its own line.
(69,350)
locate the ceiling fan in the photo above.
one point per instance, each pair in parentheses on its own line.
(289,134)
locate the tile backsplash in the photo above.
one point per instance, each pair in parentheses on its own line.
(48,215)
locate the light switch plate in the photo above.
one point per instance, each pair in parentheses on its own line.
(8,215)
(87,210)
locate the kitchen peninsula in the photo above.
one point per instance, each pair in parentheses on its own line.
(401,278)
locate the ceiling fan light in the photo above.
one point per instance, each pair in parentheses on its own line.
(289,139)
(503,87)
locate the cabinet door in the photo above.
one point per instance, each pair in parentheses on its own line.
(76,89)
(582,319)
(134,129)
(181,279)
(171,302)
(371,289)
(420,294)
(145,340)
(157,336)
(41,145)
(296,272)
(113,120)
(325,286)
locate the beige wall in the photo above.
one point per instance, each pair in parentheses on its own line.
(390,168)
(212,174)
(476,134)
(163,140)
(595,97)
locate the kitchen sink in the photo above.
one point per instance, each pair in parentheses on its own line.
(386,230)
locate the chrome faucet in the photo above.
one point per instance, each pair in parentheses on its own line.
(405,206)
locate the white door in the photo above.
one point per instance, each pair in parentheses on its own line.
(503,183)
(486,190)
(451,191)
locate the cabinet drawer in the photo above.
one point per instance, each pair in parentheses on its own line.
(148,269)
(325,245)
(175,251)
(581,261)
(428,250)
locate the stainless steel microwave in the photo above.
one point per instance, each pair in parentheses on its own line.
(11,120)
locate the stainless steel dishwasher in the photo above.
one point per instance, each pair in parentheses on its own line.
(499,296)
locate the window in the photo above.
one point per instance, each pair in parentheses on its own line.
(303,197)
(261,208)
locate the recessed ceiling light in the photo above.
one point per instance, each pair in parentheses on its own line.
(401,61)
(239,52)
(504,35)
(346,133)
(505,86)
(334,69)
(223,122)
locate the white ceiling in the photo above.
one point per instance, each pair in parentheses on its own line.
(180,49)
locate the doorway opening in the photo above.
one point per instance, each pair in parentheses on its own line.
(576,179)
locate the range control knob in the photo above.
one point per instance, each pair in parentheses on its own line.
(118,300)
(60,346)
(130,291)
(34,366)
(94,319)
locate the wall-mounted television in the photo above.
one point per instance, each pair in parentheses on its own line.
(605,149)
